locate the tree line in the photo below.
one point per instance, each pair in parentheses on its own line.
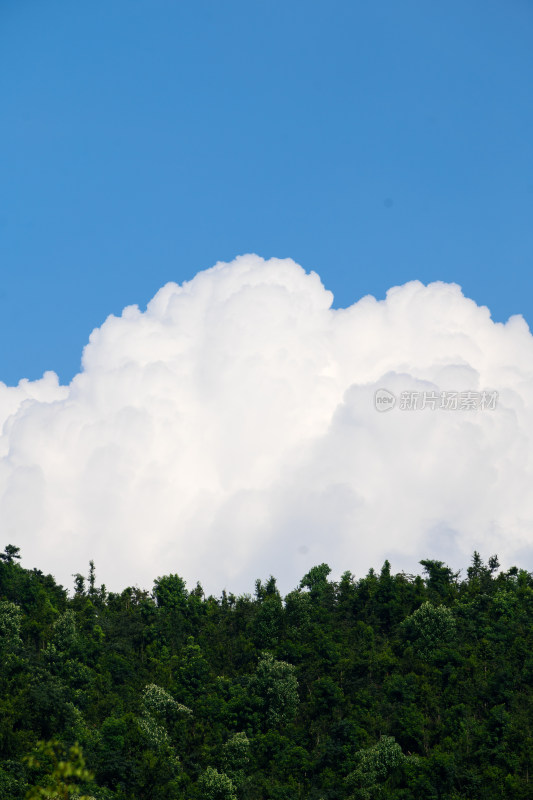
(388,686)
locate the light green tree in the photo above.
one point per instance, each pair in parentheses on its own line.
(67,771)
(429,627)
(157,707)
(235,757)
(10,639)
(276,684)
(215,785)
(374,766)
(10,616)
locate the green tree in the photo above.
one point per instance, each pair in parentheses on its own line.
(216,785)
(10,625)
(236,757)
(158,708)
(275,682)
(10,554)
(429,628)
(170,593)
(441,581)
(316,579)
(65,771)
(376,766)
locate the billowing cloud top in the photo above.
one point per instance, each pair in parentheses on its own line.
(230,431)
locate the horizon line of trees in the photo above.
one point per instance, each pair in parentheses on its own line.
(387,686)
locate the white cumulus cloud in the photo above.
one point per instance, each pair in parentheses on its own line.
(229,432)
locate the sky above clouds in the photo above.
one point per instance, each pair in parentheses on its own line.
(376,145)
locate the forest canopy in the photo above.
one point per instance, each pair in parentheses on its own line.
(384,686)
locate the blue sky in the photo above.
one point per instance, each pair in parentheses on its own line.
(144,140)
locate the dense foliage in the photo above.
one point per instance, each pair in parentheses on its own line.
(386,686)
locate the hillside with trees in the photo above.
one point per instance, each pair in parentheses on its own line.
(388,686)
